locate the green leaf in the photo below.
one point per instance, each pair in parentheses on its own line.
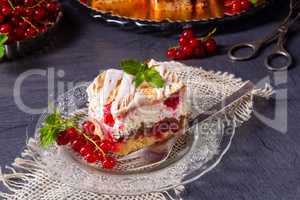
(253,1)
(132,66)
(139,79)
(3,38)
(2,51)
(154,78)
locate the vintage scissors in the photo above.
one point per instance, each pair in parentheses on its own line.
(279,50)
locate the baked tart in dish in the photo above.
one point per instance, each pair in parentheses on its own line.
(134,116)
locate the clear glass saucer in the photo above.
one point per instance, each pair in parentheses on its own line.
(210,142)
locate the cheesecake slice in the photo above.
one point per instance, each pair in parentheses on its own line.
(136,117)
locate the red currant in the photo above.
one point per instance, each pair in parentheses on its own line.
(78,144)
(15,20)
(91,157)
(19,33)
(99,155)
(30,32)
(237,7)
(6,11)
(194,43)
(245,4)
(19,10)
(52,6)
(188,33)
(183,41)
(108,118)
(1,18)
(86,149)
(88,127)
(105,146)
(28,12)
(199,52)
(39,14)
(210,46)
(73,134)
(171,53)
(62,138)
(179,55)
(29,3)
(108,162)
(187,51)
(172,101)
(23,24)
(5,28)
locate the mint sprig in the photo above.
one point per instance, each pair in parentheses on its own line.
(142,72)
(53,125)
(3,39)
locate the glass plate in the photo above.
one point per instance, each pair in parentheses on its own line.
(210,142)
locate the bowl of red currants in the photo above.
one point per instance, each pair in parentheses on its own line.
(26,24)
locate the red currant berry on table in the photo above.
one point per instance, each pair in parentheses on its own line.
(108,162)
(210,46)
(183,41)
(179,55)
(187,51)
(199,52)
(62,138)
(5,28)
(15,20)
(52,6)
(194,42)
(6,11)
(188,33)
(171,53)
(88,127)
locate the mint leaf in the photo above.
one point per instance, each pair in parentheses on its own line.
(3,38)
(142,73)
(2,51)
(139,79)
(253,1)
(53,125)
(154,78)
(131,66)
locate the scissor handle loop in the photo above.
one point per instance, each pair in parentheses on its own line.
(251,45)
(279,53)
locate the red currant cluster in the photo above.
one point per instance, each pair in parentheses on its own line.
(192,47)
(22,19)
(236,6)
(88,145)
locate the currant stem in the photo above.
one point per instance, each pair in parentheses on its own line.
(27,21)
(97,147)
(39,3)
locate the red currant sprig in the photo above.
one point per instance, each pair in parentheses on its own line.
(24,19)
(88,145)
(192,47)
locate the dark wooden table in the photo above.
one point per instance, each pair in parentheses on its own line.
(263,162)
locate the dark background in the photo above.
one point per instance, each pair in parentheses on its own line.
(263,163)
